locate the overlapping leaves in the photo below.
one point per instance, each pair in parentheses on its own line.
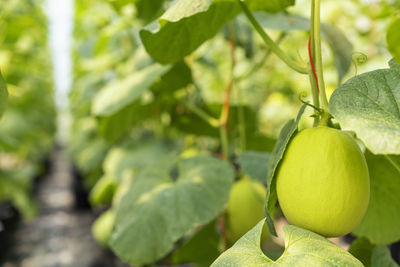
(167,200)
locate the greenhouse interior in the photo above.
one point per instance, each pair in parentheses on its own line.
(196,133)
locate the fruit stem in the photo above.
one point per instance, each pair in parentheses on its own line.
(272,45)
(316,41)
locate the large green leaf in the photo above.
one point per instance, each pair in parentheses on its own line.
(303,249)
(3,95)
(119,94)
(338,42)
(285,136)
(393,39)
(254,164)
(369,104)
(165,201)
(382,220)
(187,24)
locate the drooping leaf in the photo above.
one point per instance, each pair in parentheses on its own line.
(187,24)
(393,39)
(254,164)
(202,248)
(303,248)
(119,94)
(284,138)
(369,104)
(382,220)
(165,201)
(3,95)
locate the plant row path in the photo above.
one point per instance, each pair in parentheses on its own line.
(61,234)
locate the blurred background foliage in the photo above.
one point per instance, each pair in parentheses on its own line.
(28,125)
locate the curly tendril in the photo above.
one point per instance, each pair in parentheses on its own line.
(358,58)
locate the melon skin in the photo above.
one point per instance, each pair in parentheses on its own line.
(323,182)
(103,227)
(245,208)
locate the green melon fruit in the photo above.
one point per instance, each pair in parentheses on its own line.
(103,191)
(103,226)
(323,182)
(245,208)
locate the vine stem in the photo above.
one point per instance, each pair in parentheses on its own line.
(273,46)
(224,118)
(202,114)
(316,40)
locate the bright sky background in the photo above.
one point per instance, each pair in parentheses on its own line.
(60,16)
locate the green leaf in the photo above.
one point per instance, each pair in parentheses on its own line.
(393,39)
(185,26)
(148,10)
(303,248)
(369,104)
(284,138)
(271,6)
(123,161)
(119,94)
(382,219)
(114,127)
(362,248)
(254,164)
(202,248)
(3,95)
(381,257)
(166,201)
(188,24)
(338,42)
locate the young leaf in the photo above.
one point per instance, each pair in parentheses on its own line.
(165,201)
(382,220)
(3,95)
(254,164)
(303,248)
(393,39)
(121,93)
(284,138)
(369,104)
